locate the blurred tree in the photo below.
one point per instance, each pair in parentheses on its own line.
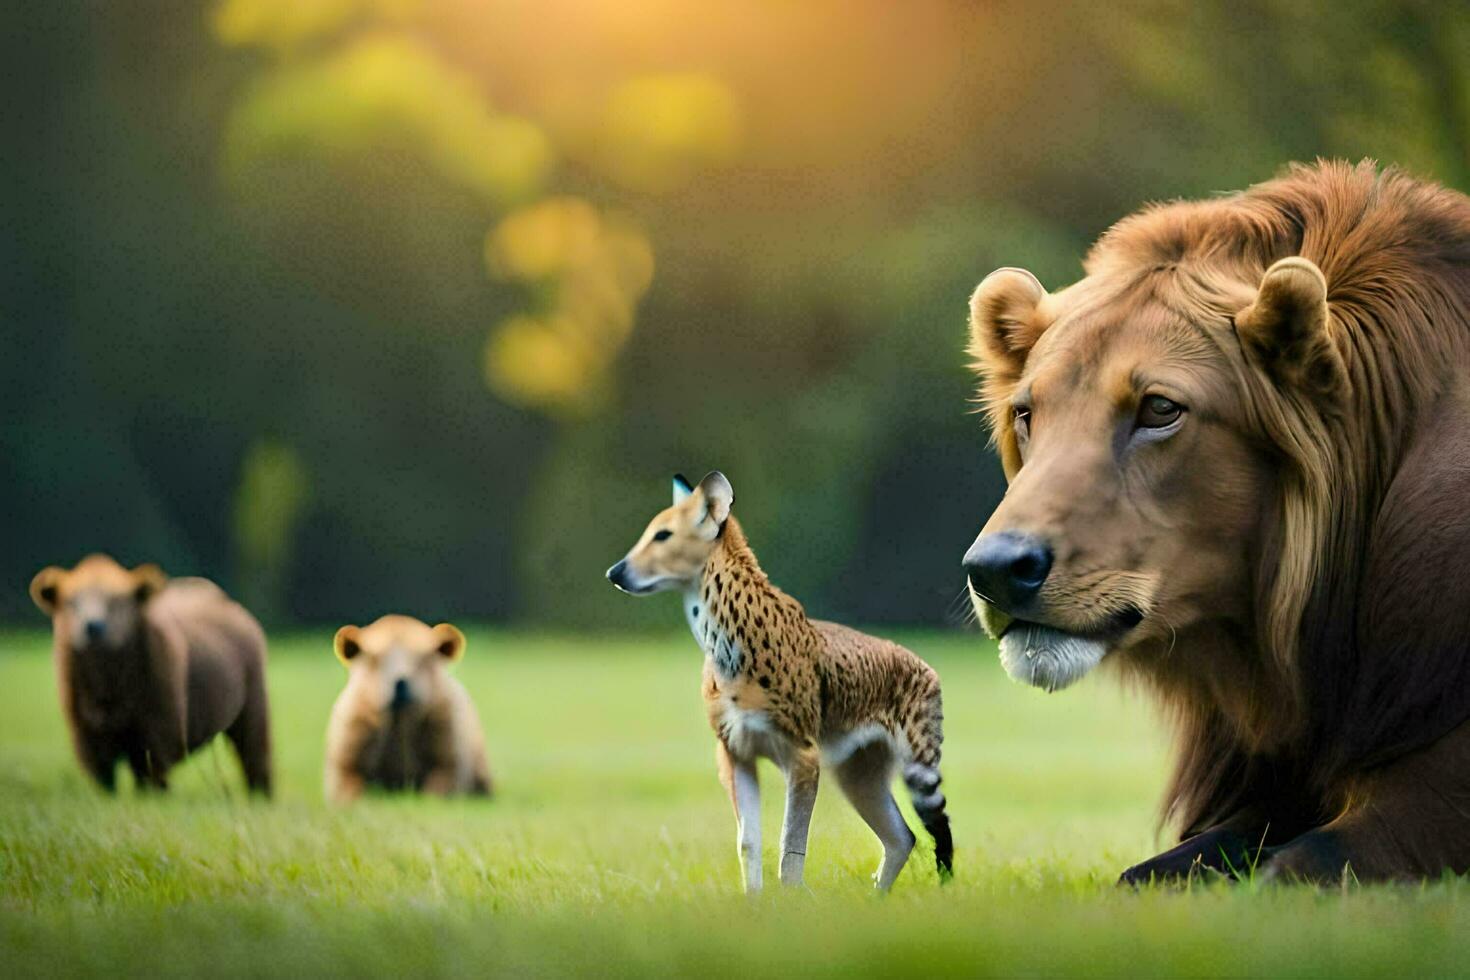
(415,242)
(273,493)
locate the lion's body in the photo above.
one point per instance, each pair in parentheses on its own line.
(1378,664)
(1321,693)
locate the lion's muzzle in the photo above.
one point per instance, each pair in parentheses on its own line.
(1045,656)
(1048,658)
(1008,568)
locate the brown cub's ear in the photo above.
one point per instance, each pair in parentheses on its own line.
(1005,323)
(1288,332)
(46,589)
(450,640)
(719,497)
(148,581)
(345,644)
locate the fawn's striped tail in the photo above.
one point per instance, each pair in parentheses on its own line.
(921,776)
(923,783)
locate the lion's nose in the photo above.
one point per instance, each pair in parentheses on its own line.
(95,628)
(1007,568)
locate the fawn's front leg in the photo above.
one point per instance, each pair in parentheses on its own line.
(801,794)
(743,785)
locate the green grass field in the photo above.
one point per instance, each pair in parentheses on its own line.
(610,847)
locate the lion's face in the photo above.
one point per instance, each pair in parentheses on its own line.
(1139,494)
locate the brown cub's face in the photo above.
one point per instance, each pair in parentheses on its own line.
(1138,492)
(397,664)
(98,605)
(676,544)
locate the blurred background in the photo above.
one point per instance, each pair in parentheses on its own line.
(416,305)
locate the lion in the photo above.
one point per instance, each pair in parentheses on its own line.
(1238,455)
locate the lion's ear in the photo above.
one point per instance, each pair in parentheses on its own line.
(1005,323)
(1288,332)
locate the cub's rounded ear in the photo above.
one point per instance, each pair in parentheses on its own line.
(46,589)
(719,497)
(346,645)
(682,488)
(1005,322)
(450,641)
(1288,332)
(148,581)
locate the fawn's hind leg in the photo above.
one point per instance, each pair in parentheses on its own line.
(743,784)
(865,778)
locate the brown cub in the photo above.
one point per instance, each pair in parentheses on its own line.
(150,669)
(402,723)
(793,690)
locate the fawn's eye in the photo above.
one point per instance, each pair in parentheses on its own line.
(663,535)
(1158,412)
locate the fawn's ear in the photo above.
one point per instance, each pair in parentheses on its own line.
(346,643)
(46,589)
(450,642)
(682,489)
(719,497)
(1288,332)
(148,581)
(1005,322)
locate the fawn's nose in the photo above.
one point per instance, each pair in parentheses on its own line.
(615,574)
(94,629)
(1007,568)
(402,696)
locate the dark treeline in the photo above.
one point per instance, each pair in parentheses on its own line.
(255,329)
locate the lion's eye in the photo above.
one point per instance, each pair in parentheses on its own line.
(1021,419)
(663,535)
(1158,412)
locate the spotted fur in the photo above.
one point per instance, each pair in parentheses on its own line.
(797,691)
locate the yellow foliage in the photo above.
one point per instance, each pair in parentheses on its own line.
(285,24)
(538,362)
(386,89)
(592,270)
(659,130)
(544,240)
(348,81)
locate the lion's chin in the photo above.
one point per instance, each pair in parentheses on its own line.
(1048,658)
(1044,656)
